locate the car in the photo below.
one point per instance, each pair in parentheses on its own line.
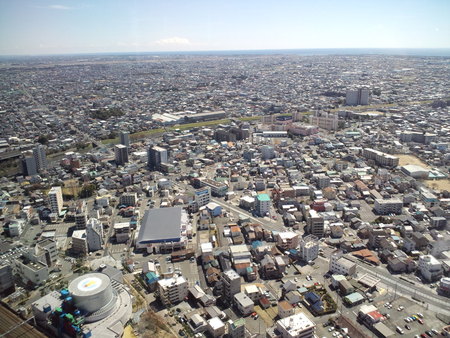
(389,306)
(407,327)
(420,321)
(431,334)
(253,314)
(330,329)
(420,315)
(388,315)
(256,317)
(436,332)
(423,335)
(386,304)
(399,330)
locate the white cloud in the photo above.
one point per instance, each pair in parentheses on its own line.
(173,41)
(60,7)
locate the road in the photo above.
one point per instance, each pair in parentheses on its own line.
(404,288)
(269,225)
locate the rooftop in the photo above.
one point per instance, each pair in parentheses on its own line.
(160,225)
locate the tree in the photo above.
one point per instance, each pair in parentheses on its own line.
(43,139)
(87,190)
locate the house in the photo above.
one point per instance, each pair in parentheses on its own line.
(285,309)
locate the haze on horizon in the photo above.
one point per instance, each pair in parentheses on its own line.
(88,26)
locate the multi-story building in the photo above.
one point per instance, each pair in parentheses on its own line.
(236,328)
(296,326)
(48,250)
(341,265)
(231,284)
(328,121)
(444,286)
(31,272)
(262,204)
(55,200)
(315,223)
(40,158)
(156,156)
(388,206)
(243,303)
(79,242)
(430,268)
(287,240)
(6,279)
(285,309)
(94,234)
(125,138)
(122,232)
(309,248)
(381,158)
(121,154)
(128,199)
(80,215)
(172,290)
(267,152)
(357,97)
(202,196)
(29,166)
(217,188)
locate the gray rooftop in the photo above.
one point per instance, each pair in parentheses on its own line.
(160,225)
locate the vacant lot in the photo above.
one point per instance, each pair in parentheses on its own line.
(410,159)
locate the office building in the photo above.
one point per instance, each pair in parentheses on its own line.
(156,156)
(262,204)
(357,97)
(81,215)
(46,252)
(296,326)
(315,223)
(128,199)
(121,154)
(55,200)
(341,265)
(94,234)
(125,138)
(31,272)
(202,196)
(328,121)
(172,290)
(309,248)
(218,189)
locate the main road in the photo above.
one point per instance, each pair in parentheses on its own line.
(402,287)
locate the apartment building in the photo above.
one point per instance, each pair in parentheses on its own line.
(341,265)
(388,206)
(262,204)
(430,268)
(172,290)
(381,158)
(55,200)
(296,326)
(309,248)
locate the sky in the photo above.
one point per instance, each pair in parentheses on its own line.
(90,26)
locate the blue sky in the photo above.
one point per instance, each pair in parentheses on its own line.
(79,26)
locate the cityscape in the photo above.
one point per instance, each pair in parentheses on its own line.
(238,169)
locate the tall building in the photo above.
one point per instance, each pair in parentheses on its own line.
(156,156)
(125,138)
(40,158)
(81,215)
(202,196)
(357,97)
(55,200)
(328,121)
(79,242)
(267,152)
(231,283)
(94,234)
(6,279)
(121,154)
(309,248)
(29,167)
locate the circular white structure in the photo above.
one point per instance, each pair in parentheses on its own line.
(91,292)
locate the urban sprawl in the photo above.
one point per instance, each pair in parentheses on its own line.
(225,196)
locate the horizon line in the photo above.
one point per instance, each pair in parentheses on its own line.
(281,50)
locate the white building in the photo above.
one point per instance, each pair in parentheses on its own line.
(388,206)
(172,290)
(309,248)
(328,121)
(243,303)
(262,204)
(79,242)
(341,265)
(381,158)
(33,272)
(296,326)
(94,235)
(285,309)
(202,196)
(55,200)
(216,327)
(231,283)
(430,268)
(122,232)
(16,227)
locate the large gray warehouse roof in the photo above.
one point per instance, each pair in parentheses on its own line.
(160,225)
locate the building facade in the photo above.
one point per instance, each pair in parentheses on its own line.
(55,200)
